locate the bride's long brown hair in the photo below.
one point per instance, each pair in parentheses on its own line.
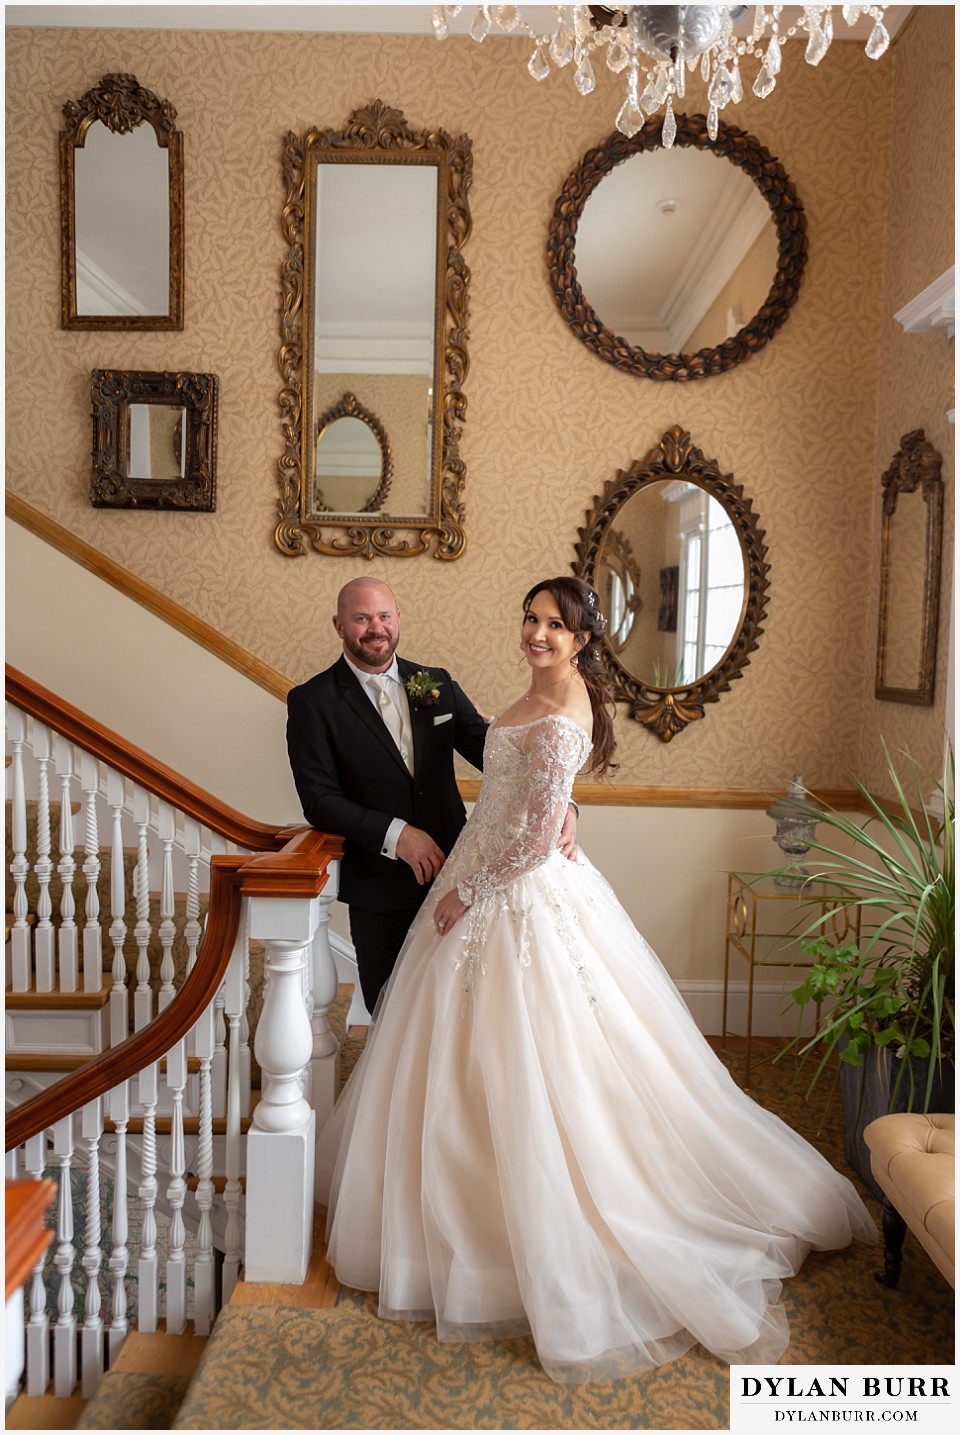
(580,610)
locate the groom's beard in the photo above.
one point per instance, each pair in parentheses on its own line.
(373,655)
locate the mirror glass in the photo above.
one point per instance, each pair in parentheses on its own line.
(676,250)
(122,208)
(375,309)
(690,588)
(156,441)
(907,573)
(349,466)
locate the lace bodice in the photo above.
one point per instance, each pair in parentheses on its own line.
(528,774)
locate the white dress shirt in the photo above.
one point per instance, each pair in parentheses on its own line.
(397,692)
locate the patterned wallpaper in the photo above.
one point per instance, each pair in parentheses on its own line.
(916,385)
(547,422)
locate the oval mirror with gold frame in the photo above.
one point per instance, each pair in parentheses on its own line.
(685,302)
(702,580)
(374,302)
(121,210)
(353,465)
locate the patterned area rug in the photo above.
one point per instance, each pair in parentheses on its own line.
(345,1369)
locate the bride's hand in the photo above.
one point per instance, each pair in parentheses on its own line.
(448,912)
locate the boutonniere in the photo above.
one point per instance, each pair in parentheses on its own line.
(423,689)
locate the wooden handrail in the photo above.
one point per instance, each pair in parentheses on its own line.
(300,870)
(139,766)
(26,1236)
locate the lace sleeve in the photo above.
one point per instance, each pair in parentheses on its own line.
(556,749)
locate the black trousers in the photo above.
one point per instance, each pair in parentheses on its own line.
(377,938)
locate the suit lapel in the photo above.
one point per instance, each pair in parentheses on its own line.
(361,705)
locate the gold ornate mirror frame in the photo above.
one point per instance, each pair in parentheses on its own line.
(771,179)
(915,470)
(350,407)
(375,134)
(666,711)
(114,393)
(120,103)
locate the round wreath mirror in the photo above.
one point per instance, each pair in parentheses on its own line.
(677,264)
(699,582)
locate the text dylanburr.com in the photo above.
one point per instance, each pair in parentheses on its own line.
(774,1398)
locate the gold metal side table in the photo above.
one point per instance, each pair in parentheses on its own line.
(753,905)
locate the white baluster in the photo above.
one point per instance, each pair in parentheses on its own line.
(143,996)
(203,1276)
(234,986)
(65,1330)
(192,849)
(167,818)
(246,1062)
(176,1193)
(325,1060)
(44,949)
(91,1129)
(92,935)
(38,1326)
(119,1104)
(67,936)
(119,996)
(20,952)
(280,1145)
(220,1057)
(147,1274)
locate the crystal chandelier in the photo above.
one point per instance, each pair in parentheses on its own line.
(659,44)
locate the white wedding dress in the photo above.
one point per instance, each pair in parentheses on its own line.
(538,1138)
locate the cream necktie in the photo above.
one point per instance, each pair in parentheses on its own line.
(392,718)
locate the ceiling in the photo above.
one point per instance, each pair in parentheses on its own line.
(360,18)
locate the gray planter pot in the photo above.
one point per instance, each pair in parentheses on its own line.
(865,1095)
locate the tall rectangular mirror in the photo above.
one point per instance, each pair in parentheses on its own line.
(911,539)
(373,331)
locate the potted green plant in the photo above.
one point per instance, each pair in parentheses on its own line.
(884,1006)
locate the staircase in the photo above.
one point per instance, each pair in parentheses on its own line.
(131,1076)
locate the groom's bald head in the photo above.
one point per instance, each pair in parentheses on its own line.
(368,623)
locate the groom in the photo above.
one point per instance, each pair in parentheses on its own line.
(373,762)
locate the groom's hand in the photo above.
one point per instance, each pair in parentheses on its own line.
(418,849)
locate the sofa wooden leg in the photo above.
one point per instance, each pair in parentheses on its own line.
(894,1232)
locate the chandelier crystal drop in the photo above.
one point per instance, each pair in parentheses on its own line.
(658,45)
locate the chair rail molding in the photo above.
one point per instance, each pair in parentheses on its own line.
(933,309)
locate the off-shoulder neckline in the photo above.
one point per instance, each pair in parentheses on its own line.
(547,717)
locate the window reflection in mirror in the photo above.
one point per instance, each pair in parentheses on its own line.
(676,250)
(907,579)
(691,585)
(122,208)
(375,315)
(156,441)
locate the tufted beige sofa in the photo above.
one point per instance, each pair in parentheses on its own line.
(912,1160)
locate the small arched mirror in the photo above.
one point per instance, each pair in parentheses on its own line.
(697,565)
(354,465)
(121,210)
(677,264)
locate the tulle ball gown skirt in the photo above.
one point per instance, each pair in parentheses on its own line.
(538,1139)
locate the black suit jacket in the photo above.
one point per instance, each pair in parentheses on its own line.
(352,780)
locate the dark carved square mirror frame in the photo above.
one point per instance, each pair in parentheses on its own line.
(114,393)
(120,103)
(915,470)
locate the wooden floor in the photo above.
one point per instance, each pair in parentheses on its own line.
(318,1292)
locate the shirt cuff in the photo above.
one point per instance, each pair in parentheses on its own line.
(389,848)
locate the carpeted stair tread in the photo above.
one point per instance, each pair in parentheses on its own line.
(134,1400)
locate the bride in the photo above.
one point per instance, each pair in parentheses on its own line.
(537,1138)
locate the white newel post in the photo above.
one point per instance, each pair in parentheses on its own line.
(280,1146)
